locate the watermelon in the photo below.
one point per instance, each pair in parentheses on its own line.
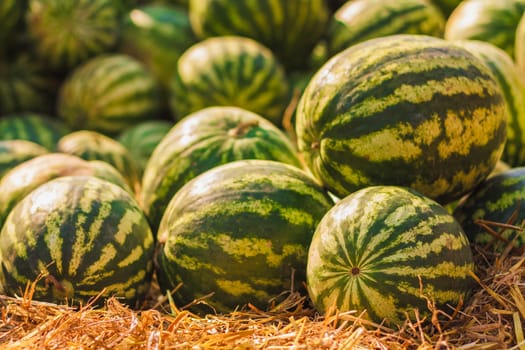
(382,249)
(141,139)
(88,238)
(229,71)
(26,85)
(491,21)
(66,33)
(14,152)
(157,35)
(289,28)
(360,20)
(520,44)
(498,200)
(109,93)
(512,83)
(92,145)
(39,128)
(25,177)
(405,110)
(203,140)
(241,232)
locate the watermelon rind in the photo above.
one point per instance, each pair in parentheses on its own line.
(385,251)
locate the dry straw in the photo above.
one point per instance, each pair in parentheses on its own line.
(493,318)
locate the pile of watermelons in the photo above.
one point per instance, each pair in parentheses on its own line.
(232,150)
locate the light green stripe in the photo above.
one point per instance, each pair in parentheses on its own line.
(239,288)
(443,269)
(107,254)
(134,256)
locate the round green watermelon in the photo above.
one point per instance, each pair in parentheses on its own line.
(157,35)
(491,21)
(405,110)
(66,33)
(25,177)
(109,93)
(498,200)
(289,28)
(381,250)
(203,140)
(360,20)
(230,71)
(84,236)
(239,233)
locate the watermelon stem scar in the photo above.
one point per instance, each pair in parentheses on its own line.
(51,280)
(60,289)
(243,128)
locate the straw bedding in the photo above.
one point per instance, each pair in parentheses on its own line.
(492,318)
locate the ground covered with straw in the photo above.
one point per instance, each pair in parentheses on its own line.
(492,318)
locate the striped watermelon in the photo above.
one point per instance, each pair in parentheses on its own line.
(203,140)
(379,247)
(230,71)
(512,83)
(360,20)
(240,231)
(289,28)
(109,93)
(14,152)
(406,110)
(66,33)
(24,178)
(89,237)
(157,35)
(92,145)
(491,21)
(26,85)
(141,139)
(520,44)
(42,129)
(498,200)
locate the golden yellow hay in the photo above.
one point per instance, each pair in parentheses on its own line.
(493,318)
